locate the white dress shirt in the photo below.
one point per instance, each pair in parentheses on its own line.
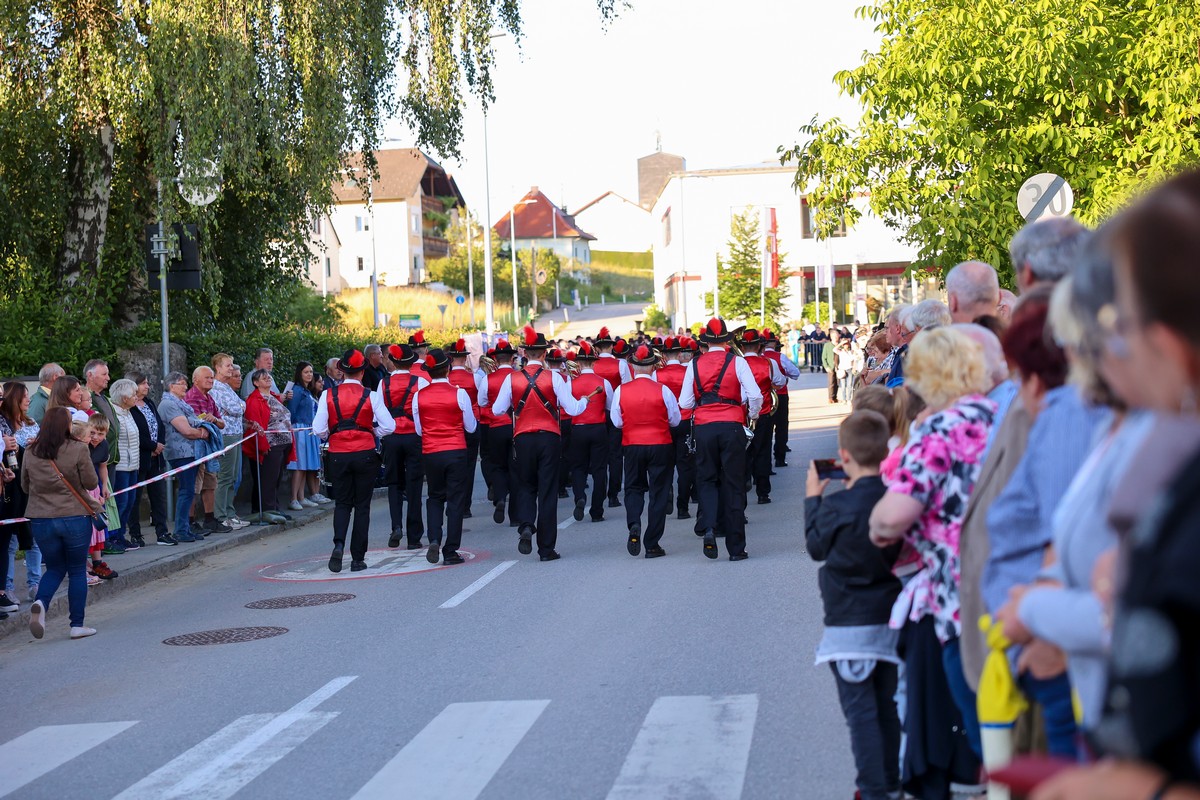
(384,424)
(566,401)
(673,416)
(623,369)
(751,396)
(790,370)
(379,401)
(464,405)
(777,378)
(481,386)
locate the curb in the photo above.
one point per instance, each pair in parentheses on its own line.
(171,562)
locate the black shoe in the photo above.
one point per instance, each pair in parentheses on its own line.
(467,513)
(562,493)
(737,556)
(491,495)
(139,541)
(167,540)
(451,558)
(763,499)
(433,553)
(597,518)
(394,540)
(579,504)
(335,560)
(779,463)
(415,545)
(357,566)
(525,543)
(498,513)
(787,447)
(551,556)
(634,546)
(614,502)
(683,514)
(710,543)
(772,472)
(655,552)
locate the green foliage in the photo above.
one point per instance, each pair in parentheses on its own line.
(634,262)
(810,313)
(655,318)
(963,102)
(739,277)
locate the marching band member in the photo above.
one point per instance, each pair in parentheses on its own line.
(421,347)
(469,382)
(499,436)
(766,375)
(488,360)
(616,372)
(645,411)
(353,462)
(589,435)
(779,420)
(716,385)
(403,473)
(444,415)
(556,360)
(671,376)
(536,443)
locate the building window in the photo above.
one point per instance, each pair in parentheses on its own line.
(416,224)
(362,224)
(328,267)
(315,226)
(806,222)
(360,264)
(666,228)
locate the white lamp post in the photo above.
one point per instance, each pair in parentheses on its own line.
(512,243)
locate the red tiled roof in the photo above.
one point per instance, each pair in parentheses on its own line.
(540,219)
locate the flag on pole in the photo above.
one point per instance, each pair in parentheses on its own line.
(773,250)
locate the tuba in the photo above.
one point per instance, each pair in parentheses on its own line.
(487,364)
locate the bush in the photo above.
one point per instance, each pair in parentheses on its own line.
(655,318)
(810,313)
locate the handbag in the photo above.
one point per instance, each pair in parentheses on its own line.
(99,518)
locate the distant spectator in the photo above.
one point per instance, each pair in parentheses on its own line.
(303,408)
(375,371)
(925,314)
(183,427)
(125,471)
(96,377)
(68,393)
(48,374)
(264,358)
(1008,303)
(1044,251)
(269,450)
(333,375)
(224,394)
(152,438)
(972,290)
(18,431)
(200,398)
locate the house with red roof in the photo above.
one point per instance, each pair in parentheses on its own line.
(542,224)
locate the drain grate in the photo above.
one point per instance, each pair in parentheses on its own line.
(224,636)
(301,600)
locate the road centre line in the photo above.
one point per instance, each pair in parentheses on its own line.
(477,585)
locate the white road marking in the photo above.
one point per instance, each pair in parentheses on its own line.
(225,762)
(477,585)
(456,754)
(34,754)
(566,523)
(690,747)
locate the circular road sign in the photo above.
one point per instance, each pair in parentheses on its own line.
(201,185)
(380,564)
(1045,195)
(541,277)
(460,299)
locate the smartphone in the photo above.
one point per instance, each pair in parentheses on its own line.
(288,387)
(829,469)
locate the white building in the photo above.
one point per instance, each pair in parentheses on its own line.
(692,212)
(412,202)
(325,263)
(617,222)
(543,225)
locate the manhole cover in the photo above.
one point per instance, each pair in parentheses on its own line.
(224,636)
(301,600)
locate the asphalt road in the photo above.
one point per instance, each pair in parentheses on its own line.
(596,676)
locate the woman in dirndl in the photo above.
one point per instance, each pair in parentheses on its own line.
(303,407)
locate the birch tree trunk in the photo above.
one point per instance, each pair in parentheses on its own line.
(89,176)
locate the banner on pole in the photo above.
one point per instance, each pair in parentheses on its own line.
(772,250)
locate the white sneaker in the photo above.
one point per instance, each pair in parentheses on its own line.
(236,523)
(320,499)
(295,506)
(307,503)
(37,619)
(82,632)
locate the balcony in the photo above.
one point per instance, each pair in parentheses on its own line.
(433,204)
(435,246)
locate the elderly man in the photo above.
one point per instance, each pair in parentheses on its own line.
(333,375)
(232,409)
(200,398)
(925,314)
(375,372)
(264,358)
(1008,303)
(1043,252)
(972,291)
(95,376)
(897,337)
(48,374)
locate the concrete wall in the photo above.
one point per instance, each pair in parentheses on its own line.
(618,225)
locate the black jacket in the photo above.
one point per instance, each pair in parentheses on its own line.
(146,444)
(857,584)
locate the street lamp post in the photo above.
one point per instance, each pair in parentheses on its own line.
(470,268)
(488,294)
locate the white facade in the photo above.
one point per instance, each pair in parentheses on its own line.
(577,249)
(325,261)
(691,229)
(617,223)
(393,237)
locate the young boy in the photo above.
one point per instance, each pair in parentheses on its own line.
(858,590)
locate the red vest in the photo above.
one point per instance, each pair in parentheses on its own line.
(398,392)
(609,369)
(465,379)
(580,387)
(494,382)
(761,368)
(534,416)
(728,408)
(357,432)
(776,356)
(644,413)
(418,369)
(441,419)
(671,376)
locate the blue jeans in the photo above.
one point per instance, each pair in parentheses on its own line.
(64,543)
(187,493)
(964,698)
(33,564)
(125,502)
(1058,711)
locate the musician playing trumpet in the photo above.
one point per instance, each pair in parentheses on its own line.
(768,378)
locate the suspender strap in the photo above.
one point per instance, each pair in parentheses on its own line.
(532,386)
(398,411)
(342,425)
(714,396)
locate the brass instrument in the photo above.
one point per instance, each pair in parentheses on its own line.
(573,368)
(774,401)
(487,364)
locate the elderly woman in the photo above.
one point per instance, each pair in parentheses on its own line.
(123,395)
(271,447)
(152,442)
(924,504)
(183,427)
(18,430)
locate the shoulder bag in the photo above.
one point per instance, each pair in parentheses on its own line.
(99,518)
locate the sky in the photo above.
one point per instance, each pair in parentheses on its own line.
(723,83)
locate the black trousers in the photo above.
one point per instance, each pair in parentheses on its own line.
(833,385)
(564,460)
(720,476)
(648,468)
(404,474)
(779,422)
(500,464)
(870,711)
(685,465)
(152,466)
(268,473)
(614,461)
(446,473)
(473,440)
(589,450)
(535,490)
(758,456)
(353,476)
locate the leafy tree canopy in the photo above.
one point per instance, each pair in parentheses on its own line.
(965,101)
(739,277)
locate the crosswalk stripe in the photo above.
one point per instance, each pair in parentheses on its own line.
(456,754)
(690,747)
(32,755)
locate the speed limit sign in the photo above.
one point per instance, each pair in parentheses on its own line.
(1045,195)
